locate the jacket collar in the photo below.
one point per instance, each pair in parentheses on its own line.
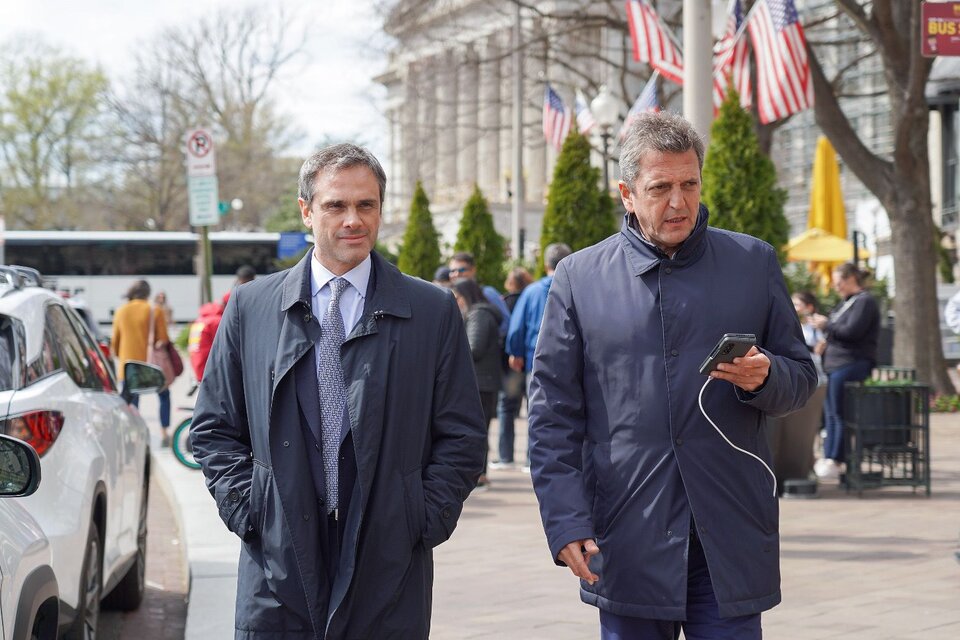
(644,256)
(385,290)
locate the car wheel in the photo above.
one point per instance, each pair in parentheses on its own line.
(128,594)
(44,628)
(91,588)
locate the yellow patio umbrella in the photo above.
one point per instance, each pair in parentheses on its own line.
(827,211)
(816,245)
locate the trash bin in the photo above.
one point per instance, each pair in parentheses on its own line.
(887,427)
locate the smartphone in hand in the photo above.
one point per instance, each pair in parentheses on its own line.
(731,345)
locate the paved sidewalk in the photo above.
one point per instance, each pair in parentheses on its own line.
(212,550)
(871,568)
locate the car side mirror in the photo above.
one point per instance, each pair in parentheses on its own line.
(140,377)
(19,468)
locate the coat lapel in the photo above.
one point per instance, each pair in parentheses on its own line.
(300,330)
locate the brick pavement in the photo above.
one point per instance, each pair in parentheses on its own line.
(877,567)
(163,614)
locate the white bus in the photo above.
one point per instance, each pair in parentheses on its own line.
(100,266)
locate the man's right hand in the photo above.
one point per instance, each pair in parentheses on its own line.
(576,555)
(516,363)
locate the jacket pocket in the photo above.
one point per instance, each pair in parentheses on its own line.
(416,508)
(258,493)
(601,473)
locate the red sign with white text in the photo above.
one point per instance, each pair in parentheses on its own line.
(940,24)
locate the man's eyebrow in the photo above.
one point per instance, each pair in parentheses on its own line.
(331,203)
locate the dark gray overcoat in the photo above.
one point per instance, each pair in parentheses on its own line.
(620,450)
(418,434)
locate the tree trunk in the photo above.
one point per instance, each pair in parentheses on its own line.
(917,340)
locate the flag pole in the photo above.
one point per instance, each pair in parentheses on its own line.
(518,196)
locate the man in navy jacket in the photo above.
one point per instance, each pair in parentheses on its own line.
(666,524)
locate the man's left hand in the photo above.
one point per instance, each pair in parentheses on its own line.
(749,372)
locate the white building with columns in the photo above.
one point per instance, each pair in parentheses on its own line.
(450,82)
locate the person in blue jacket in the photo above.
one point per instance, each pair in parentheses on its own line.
(528,312)
(669,521)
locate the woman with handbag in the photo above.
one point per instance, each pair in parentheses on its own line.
(140,333)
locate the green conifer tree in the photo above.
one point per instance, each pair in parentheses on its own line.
(478,236)
(579,212)
(740,182)
(420,253)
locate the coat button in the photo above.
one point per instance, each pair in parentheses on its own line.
(668,270)
(286,443)
(669,532)
(445,514)
(679,441)
(233,496)
(307,318)
(306,517)
(674,353)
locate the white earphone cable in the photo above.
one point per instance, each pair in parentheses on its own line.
(714,424)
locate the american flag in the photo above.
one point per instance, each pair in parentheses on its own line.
(585,119)
(783,72)
(646,101)
(651,41)
(731,62)
(556,118)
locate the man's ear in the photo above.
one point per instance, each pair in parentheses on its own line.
(626,196)
(305,213)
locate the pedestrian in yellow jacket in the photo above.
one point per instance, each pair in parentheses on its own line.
(131,333)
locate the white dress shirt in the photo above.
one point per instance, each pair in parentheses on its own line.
(352,298)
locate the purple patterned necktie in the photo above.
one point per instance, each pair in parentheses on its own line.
(332,391)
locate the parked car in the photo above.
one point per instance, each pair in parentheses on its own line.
(28,589)
(58,393)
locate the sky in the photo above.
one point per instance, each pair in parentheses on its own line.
(328,91)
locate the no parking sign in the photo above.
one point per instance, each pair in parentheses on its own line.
(202,187)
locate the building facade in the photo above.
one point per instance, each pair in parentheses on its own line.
(451,96)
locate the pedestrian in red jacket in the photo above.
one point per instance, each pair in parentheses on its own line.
(202,331)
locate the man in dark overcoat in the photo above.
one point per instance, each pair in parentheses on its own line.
(669,521)
(339,425)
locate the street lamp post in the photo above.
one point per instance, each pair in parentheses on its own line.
(605,112)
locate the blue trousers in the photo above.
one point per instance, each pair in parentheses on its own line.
(703,615)
(834,445)
(508,406)
(164,397)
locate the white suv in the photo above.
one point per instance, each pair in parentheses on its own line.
(59,393)
(28,589)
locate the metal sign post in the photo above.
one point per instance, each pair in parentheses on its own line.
(203,195)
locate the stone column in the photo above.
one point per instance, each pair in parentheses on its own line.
(410,133)
(535,148)
(446,124)
(488,144)
(556,47)
(427,124)
(393,205)
(467,121)
(506,119)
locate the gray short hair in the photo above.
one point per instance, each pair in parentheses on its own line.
(663,132)
(336,158)
(554,253)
